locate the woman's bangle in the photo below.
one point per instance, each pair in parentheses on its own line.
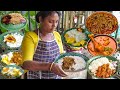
(51,66)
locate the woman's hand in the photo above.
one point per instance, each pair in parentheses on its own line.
(57,70)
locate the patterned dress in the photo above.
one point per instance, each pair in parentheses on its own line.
(45,52)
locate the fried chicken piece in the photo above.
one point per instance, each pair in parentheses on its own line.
(91,49)
(106,38)
(98,47)
(106,42)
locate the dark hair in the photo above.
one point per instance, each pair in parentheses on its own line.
(44,14)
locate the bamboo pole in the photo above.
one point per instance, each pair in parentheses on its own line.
(71,18)
(66,25)
(80,16)
(85,16)
(64,20)
(68,19)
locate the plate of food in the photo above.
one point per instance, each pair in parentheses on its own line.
(101,22)
(12,39)
(72,62)
(75,38)
(13,21)
(102,67)
(12,71)
(11,57)
(101,45)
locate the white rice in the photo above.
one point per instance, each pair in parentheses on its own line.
(18,42)
(77,35)
(76,75)
(80,62)
(99,62)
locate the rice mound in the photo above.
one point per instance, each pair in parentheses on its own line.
(80,62)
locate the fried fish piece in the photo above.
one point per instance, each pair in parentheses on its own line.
(10,39)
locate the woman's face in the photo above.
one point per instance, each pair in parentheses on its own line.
(49,24)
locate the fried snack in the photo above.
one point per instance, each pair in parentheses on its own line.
(102,23)
(68,62)
(10,39)
(17,58)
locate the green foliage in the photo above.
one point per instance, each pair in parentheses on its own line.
(31,23)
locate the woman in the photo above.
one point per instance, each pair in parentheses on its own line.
(41,47)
